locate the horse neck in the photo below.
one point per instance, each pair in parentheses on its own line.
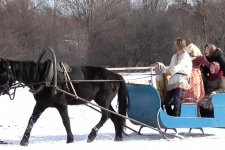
(25,71)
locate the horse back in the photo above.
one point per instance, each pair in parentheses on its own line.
(98,73)
(96,83)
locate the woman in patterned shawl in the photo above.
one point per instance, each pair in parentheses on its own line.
(198,91)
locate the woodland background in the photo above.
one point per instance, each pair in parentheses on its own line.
(108,33)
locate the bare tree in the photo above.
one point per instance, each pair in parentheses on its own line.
(152,5)
(108,32)
(216,23)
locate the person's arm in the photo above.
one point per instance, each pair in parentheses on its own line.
(181,65)
(203,61)
(221,61)
(205,71)
(221,87)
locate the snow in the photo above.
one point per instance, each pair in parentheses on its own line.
(49,132)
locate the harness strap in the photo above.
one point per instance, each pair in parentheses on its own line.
(67,80)
(164,86)
(47,77)
(65,71)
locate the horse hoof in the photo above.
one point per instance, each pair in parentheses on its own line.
(118,139)
(69,141)
(24,143)
(90,140)
(92,136)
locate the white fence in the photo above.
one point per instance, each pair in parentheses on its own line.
(137,75)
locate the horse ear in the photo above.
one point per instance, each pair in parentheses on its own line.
(2,60)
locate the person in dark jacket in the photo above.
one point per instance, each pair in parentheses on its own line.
(212,54)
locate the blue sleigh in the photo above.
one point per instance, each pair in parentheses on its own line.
(144,105)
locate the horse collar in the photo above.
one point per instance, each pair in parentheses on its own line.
(47,77)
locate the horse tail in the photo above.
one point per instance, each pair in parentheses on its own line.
(122,99)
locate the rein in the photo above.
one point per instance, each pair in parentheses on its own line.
(18,85)
(44,82)
(15,85)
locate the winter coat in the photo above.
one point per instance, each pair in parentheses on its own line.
(218,57)
(180,69)
(216,84)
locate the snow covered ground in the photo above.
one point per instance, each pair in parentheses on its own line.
(49,132)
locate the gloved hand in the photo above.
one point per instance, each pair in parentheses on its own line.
(211,95)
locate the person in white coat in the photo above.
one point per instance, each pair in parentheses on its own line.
(180,69)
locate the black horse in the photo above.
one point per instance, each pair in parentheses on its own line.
(29,73)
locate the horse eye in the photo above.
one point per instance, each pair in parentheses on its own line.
(2,75)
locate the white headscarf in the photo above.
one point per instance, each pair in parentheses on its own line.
(160,68)
(193,51)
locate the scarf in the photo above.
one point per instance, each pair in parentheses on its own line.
(213,77)
(215,71)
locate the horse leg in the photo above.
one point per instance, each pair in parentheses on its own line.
(63,111)
(103,99)
(94,131)
(34,117)
(117,121)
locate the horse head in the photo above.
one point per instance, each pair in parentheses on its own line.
(26,73)
(6,78)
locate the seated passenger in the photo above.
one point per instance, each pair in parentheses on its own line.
(216,84)
(161,80)
(212,54)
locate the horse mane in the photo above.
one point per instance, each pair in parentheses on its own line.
(27,71)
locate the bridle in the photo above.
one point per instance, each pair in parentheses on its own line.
(6,86)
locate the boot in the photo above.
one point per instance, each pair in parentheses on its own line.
(169,110)
(176,113)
